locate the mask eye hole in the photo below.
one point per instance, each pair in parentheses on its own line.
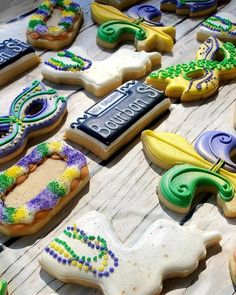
(219,55)
(195,74)
(4,131)
(35,108)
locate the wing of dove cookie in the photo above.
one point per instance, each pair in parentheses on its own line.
(232,267)
(34,190)
(193,8)
(199,79)
(99,77)
(182,183)
(222,26)
(67,21)
(120,4)
(3,288)
(118,118)
(34,112)
(90,253)
(117,27)
(16,57)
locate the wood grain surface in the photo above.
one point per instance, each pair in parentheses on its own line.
(123,188)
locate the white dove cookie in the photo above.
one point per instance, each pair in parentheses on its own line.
(90,253)
(222,26)
(98,77)
(118,118)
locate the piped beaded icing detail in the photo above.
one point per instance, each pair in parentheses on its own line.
(102,265)
(38,21)
(35,108)
(80,63)
(55,190)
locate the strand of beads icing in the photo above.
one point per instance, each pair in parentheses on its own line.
(219,24)
(81,63)
(37,22)
(55,190)
(63,253)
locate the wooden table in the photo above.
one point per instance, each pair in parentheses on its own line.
(123,188)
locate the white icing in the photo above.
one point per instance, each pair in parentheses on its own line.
(220,35)
(165,248)
(103,73)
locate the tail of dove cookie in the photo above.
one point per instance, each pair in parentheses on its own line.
(232,267)
(3,288)
(90,253)
(205,168)
(199,79)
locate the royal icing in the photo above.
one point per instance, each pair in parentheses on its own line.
(179,184)
(98,77)
(120,4)
(198,79)
(145,12)
(214,145)
(90,253)
(11,50)
(38,28)
(55,190)
(222,25)
(115,24)
(3,288)
(34,109)
(118,113)
(192,7)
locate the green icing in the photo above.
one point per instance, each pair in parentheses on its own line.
(3,288)
(5,182)
(33,23)
(43,150)
(111,31)
(58,189)
(8,215)
(179,184)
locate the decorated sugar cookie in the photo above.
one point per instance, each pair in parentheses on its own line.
(98,77)
(68,20)
(181,183)
(34,112)
(89,253)
(16,57)
(116,27)
(148,13)
(114,121)
(222,26)
(193,8)
(120,4)
(232,267)
(199,79)
(3,288)
(39,186)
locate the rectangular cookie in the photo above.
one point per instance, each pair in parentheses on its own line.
(16,57)
(113,122)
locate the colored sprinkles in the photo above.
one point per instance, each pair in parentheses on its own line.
(55,190)
(98,264)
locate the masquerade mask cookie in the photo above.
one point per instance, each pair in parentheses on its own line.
(116,27)
(3,288)
(39,186)
(232,267)
(120,4)
(193,8)
(90,253)
(34,112)
(16,57)
(199,79)
(99,77)
(208,168)
(222,26)
(62,32)
(117,119)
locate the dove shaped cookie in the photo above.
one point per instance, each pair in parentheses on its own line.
(98,77)
(34,112)
(117,27)
(38,186)
(222,26)
(199,79)
(90,253)
(191,172)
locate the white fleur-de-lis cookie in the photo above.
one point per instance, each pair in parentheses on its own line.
(90,253)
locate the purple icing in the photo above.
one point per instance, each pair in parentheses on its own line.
(41,29)
(43,201)
(193,6)
(145,12)
(74,157)
(214,145)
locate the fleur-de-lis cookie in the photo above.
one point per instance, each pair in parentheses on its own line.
(209,168)
(90,253)
(34,112)
(199,79)
(116,27)
(193,8)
